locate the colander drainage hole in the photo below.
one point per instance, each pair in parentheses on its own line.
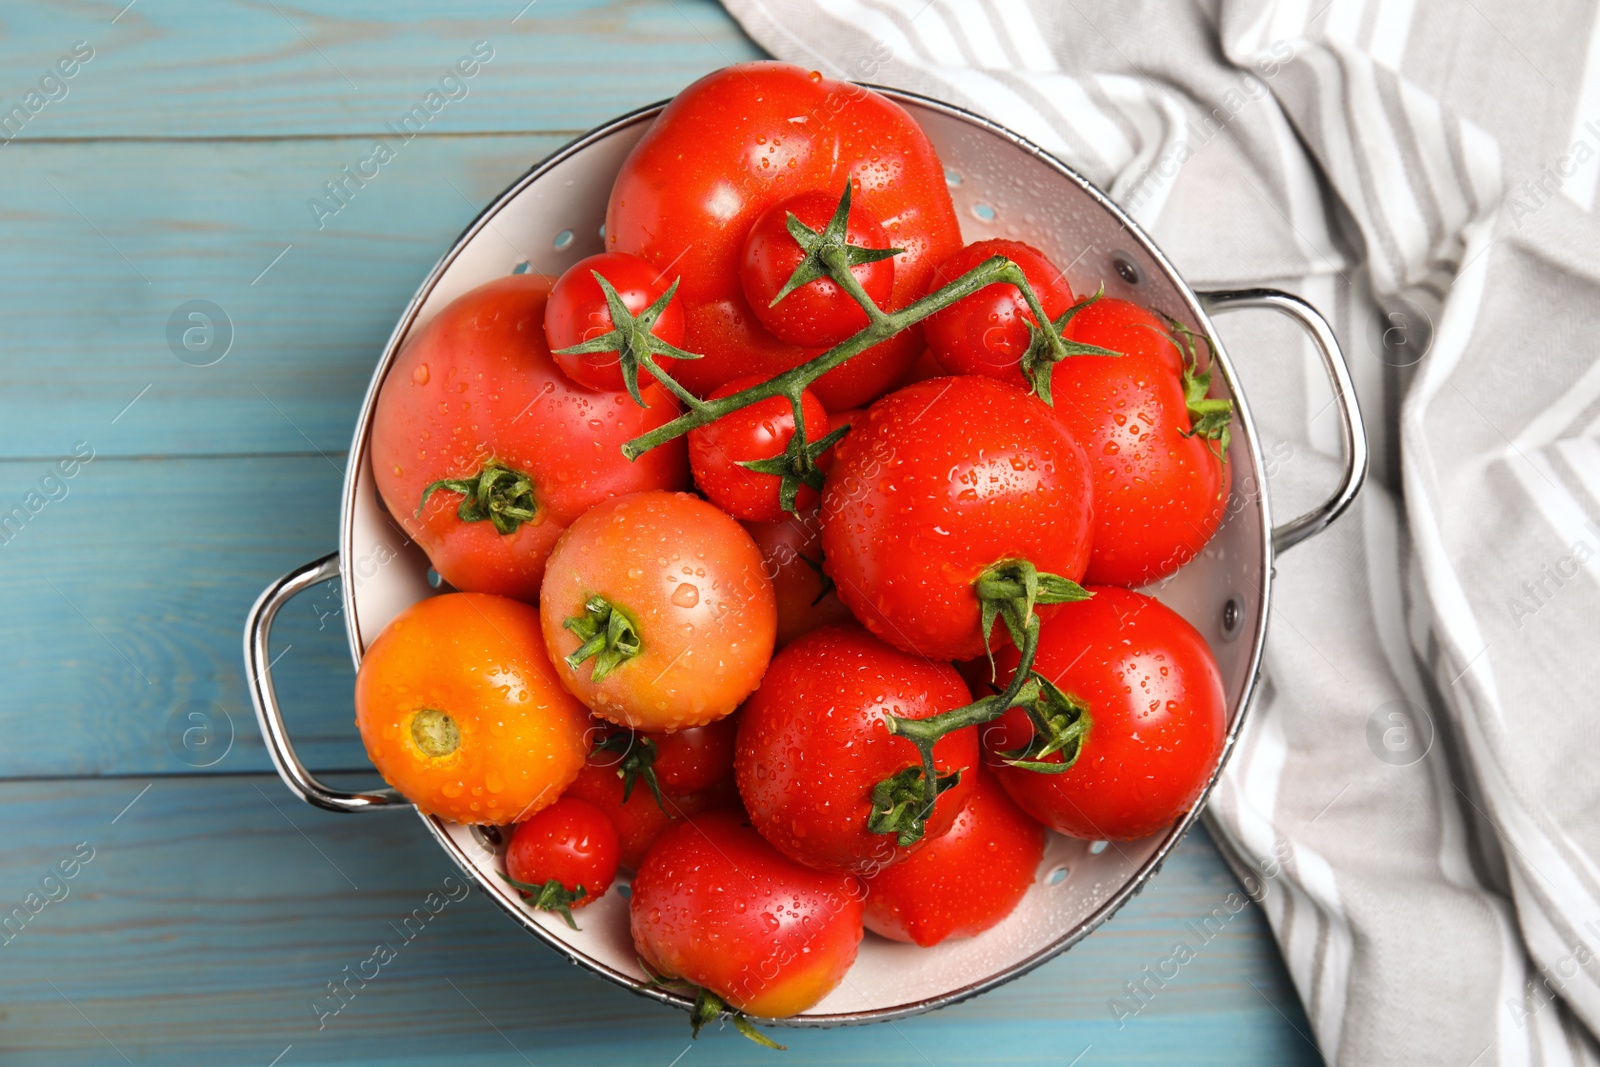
(1126,268)
(1057,876)
(1232,616)
(984,212)
(624,890)
(522,267)
(563,241)
(1098,847)
(434,579)
(952,178)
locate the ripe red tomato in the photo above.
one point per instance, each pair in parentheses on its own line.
(656,613)
(639,820)
(1157,716)
(760,431)
(939,482)
(578,312)
(1159,495)
(818,314)
(729,147)
(686,761)
(564,857)
(965,881)
(792,553)
(459,709)
(812,747)
(987,332)
(474,397)
(715,905)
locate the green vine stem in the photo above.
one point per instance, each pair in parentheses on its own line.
(551,896)
(636,763)
(708,1007)
(498,493)
(608,633)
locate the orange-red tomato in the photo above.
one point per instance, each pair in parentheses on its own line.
(965,881)
(461,711)
(716,905)
(792,551)
(697,616)
(477,390)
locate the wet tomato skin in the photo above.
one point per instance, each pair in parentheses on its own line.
(690,579)
(792,553)
(571,842)
(987,332)
(1158,717)
(942,480)
(480,661)
(812,745)
(477,383)
(965,881)
(761,431)
(715,905)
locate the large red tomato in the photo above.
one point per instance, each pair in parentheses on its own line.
(735,143)
(1160,490)
(941,481)
(1157,717)
(476,391)
(813,747)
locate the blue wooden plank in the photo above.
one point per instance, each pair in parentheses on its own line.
(207,68)
(215,910)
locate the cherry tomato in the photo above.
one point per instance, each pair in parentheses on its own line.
(571,843)
(578,312)
(1159,495)
(638,820)
(1157,716)
(461,711)
(715,905)
(760,431)
(818,314)
(987,332)
(475,395)
(813,745)
(697,758)
(737,142)
(665,596)
(965,881)
(939,482)
(792,553)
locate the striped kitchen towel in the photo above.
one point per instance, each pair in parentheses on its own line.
(1420,774)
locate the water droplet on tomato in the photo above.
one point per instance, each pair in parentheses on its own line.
(420,375)
(686,595)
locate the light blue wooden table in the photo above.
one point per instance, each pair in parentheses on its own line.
(206,909)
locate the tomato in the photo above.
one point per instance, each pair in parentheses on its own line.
(813,745)
(461,711)
(964,882)
(941,481)
(638,820)
(761,431)
(565,856)
(792,553)
(715,905)
(656,613)
(732,145)
(1159,494)
(578,311)
(1157,717)
(987,332)
(683,762)
(475,398)
(818,314)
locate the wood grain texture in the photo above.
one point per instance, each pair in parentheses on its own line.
(215,910)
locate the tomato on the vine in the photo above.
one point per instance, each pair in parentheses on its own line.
(570,844)
(813,746)
(792,552)
(942,481)
(988,332)
(761,431)
(1157,718)
(656,612)
(460,710)
(484,450)
(819,313)
(732,145)
(715,905)
(1161,489)
(964,882)
(578,311)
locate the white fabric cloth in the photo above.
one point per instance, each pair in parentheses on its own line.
(1418,777)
